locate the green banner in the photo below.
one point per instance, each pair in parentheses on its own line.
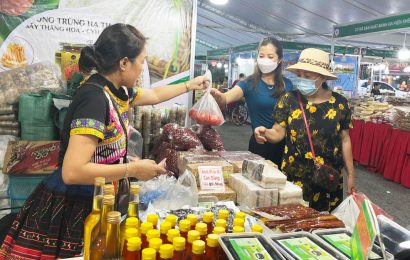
(378,25)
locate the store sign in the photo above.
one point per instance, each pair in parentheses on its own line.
(378,25)
(211,178)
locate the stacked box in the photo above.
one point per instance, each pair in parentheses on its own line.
(290,194)
(252,195)
(263,174)
(224,195)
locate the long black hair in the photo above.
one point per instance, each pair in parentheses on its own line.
(278,78)
(117,41)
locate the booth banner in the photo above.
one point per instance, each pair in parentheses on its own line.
(44,30)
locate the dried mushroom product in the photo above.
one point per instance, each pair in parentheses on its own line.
(9,124)
(171,157)
(211,139)
(11,96)
(8,117)
(7,109)
(43,76)
(181,138)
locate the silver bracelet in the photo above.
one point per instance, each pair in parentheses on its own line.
(126,171)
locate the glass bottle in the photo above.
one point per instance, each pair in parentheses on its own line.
(212,247)
(208,219)
(193,235)
(133,249)
(153,233)
(132,223)
(238,222)
(145,227)
(223,214)
(129,233)
(202,228)
(194,219)
(198,250)
(109,189)
(179,248)
(166,251)
(98,245)
(153,218)
(238,229)
(219,230)
(164,227)
(148,254)
(172,233)
(155,243)
(112,242)
(93,218)
(171,219)
(133,205)
(257,228)
(184,227)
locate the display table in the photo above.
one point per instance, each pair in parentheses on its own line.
(382,149)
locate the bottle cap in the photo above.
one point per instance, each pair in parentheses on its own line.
(208,217)
(220,223)
(172,233)
(131,232)
(134,244)
(166,251)
(145,226)
(241,215)
(164,227)
(131,222)
(172,219)
(238,229)
(179,243)
(109,189)
(153,218)
(198,247)
(193,218)
(257,228)
(155,243)
(193,235)
(152,233)
(223,214)
(113,217)
(219,230)
(239,222)
(184,225)
(212,240)
(99,181)
(108,200)
(202,228)
(134,189)
(149,254)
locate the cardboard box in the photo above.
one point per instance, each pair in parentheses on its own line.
(31,157)
(227,195)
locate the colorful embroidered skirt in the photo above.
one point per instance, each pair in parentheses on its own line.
(51,222)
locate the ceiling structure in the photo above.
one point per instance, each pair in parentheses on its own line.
(248,21)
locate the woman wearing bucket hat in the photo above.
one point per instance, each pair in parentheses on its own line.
(328,119)
(261,91)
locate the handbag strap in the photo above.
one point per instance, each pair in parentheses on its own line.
(307,126)
(124,128)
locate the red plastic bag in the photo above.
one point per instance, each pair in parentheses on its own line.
(206,111)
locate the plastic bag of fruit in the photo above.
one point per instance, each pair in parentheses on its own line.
(206,111)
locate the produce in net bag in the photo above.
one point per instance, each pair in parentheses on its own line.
(180,138)
(210,138)
(206,111)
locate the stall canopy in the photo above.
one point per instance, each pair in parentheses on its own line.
(240,22)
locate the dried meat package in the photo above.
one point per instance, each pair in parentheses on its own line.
(210,139)
(171,157)
(180,138)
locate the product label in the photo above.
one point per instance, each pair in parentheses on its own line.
(249,248)
(211,178)
(342,243)
(303,248)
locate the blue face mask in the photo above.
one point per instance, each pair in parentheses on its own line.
(306,86)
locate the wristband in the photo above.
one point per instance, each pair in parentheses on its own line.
(187,87)
(126,171)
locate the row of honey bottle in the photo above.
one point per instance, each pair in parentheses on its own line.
(97,238)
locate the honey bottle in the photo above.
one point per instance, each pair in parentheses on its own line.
(198,250)
(155,243)
(133,251)
(172,233)
(193,235)
(153,218)
(131,222)
(212,247)
(219,230)
(171,219)
(238,229)
(112,249)
(149,254)
(145,227)
(179,248)
(166,252)
(98,245)
(164,227)
(239,222)
(202,228)
(257,228)
(208,219)
(184,228)
(223,214)
(241,215)
(129,233)
(220,223)
(93,218)
(193,218)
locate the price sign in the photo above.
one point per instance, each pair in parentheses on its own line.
(211,178)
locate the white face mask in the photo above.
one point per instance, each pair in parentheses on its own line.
(266,65)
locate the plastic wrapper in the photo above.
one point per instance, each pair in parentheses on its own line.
(227,168)
(8,131)
(251,195)
(192,153)
(154,189)
(290,211)
(323,221)
(290,194)
(211,139)
(263,174)
(4,141)
(198,158)
(43,76)
(181,138)
(7,109)
(9,124)
(8,117)
(135,143)
(222,195)
(171,157)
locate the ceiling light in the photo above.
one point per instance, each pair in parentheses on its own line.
(219,2)
(406,69)
(404,53)
(226,66)
(226,70)
(219,65)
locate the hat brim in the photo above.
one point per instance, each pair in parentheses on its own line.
(312,68)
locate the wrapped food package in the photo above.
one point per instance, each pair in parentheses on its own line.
(290,194)
(210,139)
(181,138)
(323,221)
(236,158)
(194,152)
(194,159)
(263,174)
(252,195)
(290,211)
(171,157)
(224,195)
(227,169)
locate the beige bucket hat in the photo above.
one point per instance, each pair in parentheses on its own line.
(313,60)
